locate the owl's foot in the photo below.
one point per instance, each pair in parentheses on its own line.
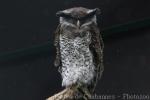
(83,92)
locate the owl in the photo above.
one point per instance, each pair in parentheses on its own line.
(79,48)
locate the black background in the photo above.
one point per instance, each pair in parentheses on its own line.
(25,23)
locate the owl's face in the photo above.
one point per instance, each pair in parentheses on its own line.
(77,21)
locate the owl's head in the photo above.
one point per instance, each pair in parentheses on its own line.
(77,21)
(78,16)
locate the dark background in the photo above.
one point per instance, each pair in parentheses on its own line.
(26,23)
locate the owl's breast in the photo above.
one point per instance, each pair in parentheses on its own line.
(77,61)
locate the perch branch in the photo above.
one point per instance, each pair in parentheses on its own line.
(66,94)
(71,93)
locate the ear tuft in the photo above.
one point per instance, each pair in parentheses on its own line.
(59,13)
(98,11)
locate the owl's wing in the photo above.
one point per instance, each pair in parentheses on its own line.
(57,62)
(96,48)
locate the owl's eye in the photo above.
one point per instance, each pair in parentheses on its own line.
(86,19)
(70,19)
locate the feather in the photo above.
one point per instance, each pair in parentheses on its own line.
(57,61)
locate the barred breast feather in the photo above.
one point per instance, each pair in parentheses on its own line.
(77,61)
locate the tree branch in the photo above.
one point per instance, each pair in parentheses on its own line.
(66,94)
(71,93)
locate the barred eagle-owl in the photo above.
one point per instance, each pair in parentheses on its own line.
(79,48)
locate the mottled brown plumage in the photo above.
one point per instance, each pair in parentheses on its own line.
(76,23)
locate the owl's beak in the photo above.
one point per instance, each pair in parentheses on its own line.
(78,23)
